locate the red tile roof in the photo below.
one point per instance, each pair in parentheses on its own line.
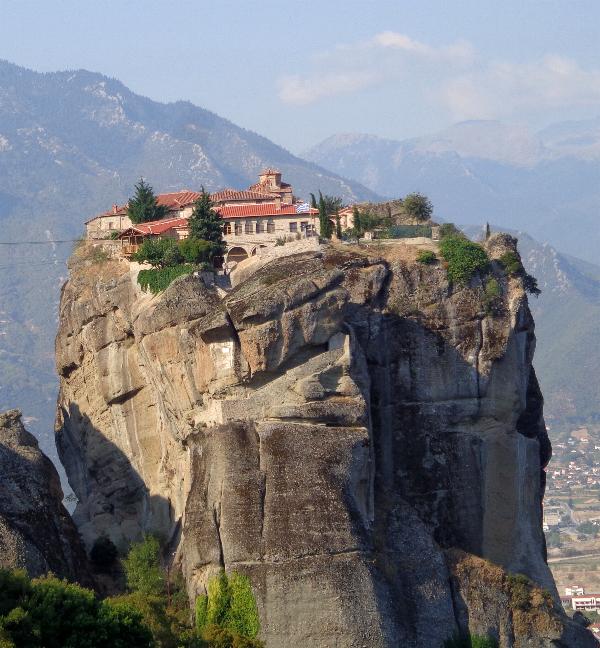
(236,194)
(159,226)
(265,209)
(174,200)
(178,199)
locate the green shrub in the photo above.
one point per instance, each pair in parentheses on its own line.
(426,257)
(103,554)
(48,612)
(219,599)
(492,289)
(513,266)
(230,604)
(153,612)
(196,250)
(158,252)
(464,258)
(511,262)
(418,206)
(159,279)
(470,641)
(142,567)
(217,637)
(530,285)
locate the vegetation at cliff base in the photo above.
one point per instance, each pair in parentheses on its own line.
(142,567)
(229,603)
(464,258)
(143,207)
(471,641)
(46,612)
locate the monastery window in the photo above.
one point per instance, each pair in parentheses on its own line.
(248,227)
(238,227)
(293,227)
(303,226)
(227,228)
(270,227)
(260,226)
(110,224)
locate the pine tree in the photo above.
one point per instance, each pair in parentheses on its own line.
(143,206)
(205,223)
(324,222)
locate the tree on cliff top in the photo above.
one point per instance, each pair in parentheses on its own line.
(205,223)
(144,206)
(418,206)
(328,206)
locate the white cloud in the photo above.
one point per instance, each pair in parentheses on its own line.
(305,90)
(501,90)
(461,51)
(451,78)
(355,66)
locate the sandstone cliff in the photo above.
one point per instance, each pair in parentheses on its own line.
(333,427)
(36,532)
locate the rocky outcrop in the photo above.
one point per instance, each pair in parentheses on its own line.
(332,427)
(36,532)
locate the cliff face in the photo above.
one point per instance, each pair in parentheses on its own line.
(36,532)
(332,427)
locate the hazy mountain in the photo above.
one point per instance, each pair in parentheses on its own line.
(71,144)
(546,183)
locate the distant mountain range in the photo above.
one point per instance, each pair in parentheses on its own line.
(71,144)
(546,183)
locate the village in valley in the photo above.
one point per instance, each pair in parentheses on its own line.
(572,517)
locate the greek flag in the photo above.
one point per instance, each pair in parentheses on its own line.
(302,208)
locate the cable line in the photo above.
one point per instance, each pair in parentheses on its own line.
(39,242)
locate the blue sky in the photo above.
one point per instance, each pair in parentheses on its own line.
(298,71)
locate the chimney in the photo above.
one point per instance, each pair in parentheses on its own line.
(278,202)
(115,207)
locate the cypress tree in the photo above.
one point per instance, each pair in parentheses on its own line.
(205,223)
(143,206)
(324,222)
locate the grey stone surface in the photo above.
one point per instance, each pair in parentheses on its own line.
(36,531)
(332,427)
